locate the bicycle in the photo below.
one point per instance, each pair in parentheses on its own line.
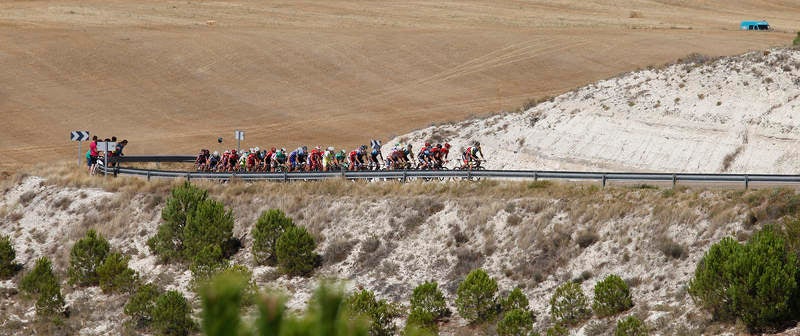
(472,165)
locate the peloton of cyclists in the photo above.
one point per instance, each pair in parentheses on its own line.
(429,156)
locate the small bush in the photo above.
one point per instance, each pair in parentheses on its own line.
(114,274)
(168,243)
(171,315)
(557,330)
(611,296)
(515,322)
(8,267)
(41,276)
(266,232)
(86,255)
(756,283)
(515,300)
(568,305)
(429,298)
(477,301)
(141,304)
(587,238)
(427,307)
(379,312)
(209,225)
(50,303)
(206,263)
(796,41)
(222,298)
(630,326)
(295,251)
(42,284)
(421,321)
(672,249)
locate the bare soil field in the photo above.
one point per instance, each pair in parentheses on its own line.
(172,76)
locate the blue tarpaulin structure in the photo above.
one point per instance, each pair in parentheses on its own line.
(755,25)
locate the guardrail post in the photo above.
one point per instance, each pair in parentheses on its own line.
(746,182)
(148,176)
(188,177)
(469,175)
(674,180)
(535,177)
(604,180)
(285,176)
(404,176)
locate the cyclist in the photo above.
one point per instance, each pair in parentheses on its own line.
(376,152)
(232,160)
(340,159)
(315,159)
(356,160)
(436,158)
(242,161)
(279,159)
(252,160)
(302,158)
(406,161)
(293,159)
(327,158)
(424,156)
(213,161)
(471,155)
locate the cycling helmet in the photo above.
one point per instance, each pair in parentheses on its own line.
(427,144)
(477,144)
(258,149)
(273,149)
(447,145)
(305,148)
(216,153)
(283,149)
(438,145)
(363,147)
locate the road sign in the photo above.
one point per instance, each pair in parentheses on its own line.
(103,146)
(79,135)
(239,135)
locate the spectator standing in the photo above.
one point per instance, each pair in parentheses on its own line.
(93,153)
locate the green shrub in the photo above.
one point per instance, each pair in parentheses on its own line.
(209,225)
(630,326)
(380,313)
(86,255)
(171,315)
(420,321)
(39,277)
(476,297)
(222,298)
(206,263)
(568,305)
(295,251)
(42,284)
(557,330)
(114,274)
(796,40)
(756,283)
(266,232)
(168,243)
(50,303)
(141,304)
(709,287)
(515,300)
(515,322)
(8,267)
(427,297)
(611,296)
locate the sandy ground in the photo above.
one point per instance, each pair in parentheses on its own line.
(172,76)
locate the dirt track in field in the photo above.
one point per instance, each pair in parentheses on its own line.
(172,76)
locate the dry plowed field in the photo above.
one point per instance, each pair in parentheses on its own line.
(172,76)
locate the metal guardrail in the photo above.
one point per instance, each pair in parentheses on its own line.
(153,158)
(406,175)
